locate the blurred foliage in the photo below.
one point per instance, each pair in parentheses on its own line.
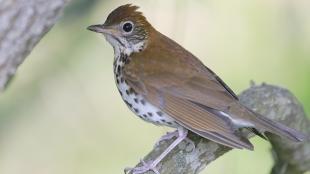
(62,112)
(78,9)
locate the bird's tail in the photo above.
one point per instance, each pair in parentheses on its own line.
(265,124)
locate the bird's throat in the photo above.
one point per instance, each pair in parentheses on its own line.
(122,46)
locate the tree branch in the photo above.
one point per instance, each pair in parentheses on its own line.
(273,102)
(22,24)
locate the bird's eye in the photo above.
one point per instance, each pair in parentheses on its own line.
(128,26)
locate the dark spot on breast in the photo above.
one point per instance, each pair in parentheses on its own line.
(122,59)
(114,64)
(127,61)
(128,104)
(150,114)
(132,91)
(120,92)
(136,110)
(159,113)
(163,120)
(144,115)
(169,123)
(136,100)
(127,92)
(118,69)
(122,80)
(140,116)
(142,101)
(117,81)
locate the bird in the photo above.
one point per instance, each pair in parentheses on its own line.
(164,84)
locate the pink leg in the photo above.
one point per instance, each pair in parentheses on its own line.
(182,133)
(168,136)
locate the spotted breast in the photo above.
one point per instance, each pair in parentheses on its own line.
(136,102)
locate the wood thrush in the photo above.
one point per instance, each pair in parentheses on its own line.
(164,84)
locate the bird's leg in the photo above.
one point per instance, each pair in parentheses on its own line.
(167,136)
(172,134)
(182,133)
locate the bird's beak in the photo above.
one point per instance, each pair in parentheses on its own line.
(100,28)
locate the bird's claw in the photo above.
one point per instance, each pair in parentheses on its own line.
(190,142)
(142,169)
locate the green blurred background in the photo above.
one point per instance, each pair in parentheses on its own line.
(62,112)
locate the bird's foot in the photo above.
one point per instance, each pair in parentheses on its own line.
(168,136)
(150,166)
(181,134)
(190,142)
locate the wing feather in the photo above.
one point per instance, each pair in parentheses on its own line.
(180,85)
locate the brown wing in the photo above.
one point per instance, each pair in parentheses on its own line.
(175,81)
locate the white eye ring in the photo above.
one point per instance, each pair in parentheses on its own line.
(127,27)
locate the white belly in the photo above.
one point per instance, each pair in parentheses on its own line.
(145,110)
(135,102)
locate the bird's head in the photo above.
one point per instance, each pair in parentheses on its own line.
(126,29)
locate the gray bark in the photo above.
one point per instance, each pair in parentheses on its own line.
(22,24)
(273,102)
